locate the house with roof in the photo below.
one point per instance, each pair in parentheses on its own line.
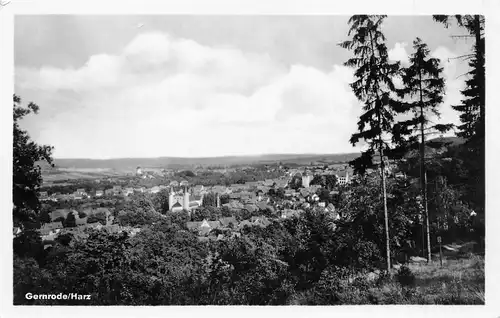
(343,177)
(314,188)
(244,223)
(59,213)
(264,189)
(154,189)
(99,193)
(252,184)
(44,196)
(50,228)
(16,231)
(268,182)
(128,191)
(261,221)
(140,190)
(237,187)
(281,183)
(313,198)
(262,205)
(330,208)
(117,190)
(250,208)
(197,189)
(289,213)
(204,227)
(221,190)
(173,183)
(305,192)
(81,221)
(290,193)
(228,221)
(234,205)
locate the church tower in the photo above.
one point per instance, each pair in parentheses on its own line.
(185,204)
(306,179)
(171,198)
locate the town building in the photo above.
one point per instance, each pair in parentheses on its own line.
(44,196)
(343,177)
(183,200)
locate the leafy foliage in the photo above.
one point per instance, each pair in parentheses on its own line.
(26,173)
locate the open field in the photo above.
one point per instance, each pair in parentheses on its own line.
(62,174)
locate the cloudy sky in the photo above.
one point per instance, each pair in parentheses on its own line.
(149,86)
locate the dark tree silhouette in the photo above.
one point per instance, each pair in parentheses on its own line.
(27,176)
(375,88)
(424,86)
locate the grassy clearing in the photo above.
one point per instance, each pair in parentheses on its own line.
(457,282)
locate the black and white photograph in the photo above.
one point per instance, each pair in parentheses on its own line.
(248,159)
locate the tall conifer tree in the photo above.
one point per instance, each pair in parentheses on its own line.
(424,87)
(472,108)
(374,87)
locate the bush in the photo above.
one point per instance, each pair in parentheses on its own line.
(70,220)
(405,277)
(97,217)
(82,214)
(60,219)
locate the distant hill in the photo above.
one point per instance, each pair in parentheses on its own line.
(450,141)
(436,146)
(177,162)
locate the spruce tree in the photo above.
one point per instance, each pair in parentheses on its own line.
(374,87)
(424,87)
(472,107)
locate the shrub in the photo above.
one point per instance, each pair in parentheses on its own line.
(70,220)
(405,277)
(60,219)
(82,214)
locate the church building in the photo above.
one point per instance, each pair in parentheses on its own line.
(183,199)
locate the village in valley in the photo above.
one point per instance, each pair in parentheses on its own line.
(221,210)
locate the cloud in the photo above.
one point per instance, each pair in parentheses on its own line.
(168,96)
(398,53)
(454,83)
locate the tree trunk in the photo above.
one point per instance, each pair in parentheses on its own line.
(427,225)
(423,181)
(482,119)
(386,216)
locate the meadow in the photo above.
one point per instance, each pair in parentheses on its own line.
(456,282)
